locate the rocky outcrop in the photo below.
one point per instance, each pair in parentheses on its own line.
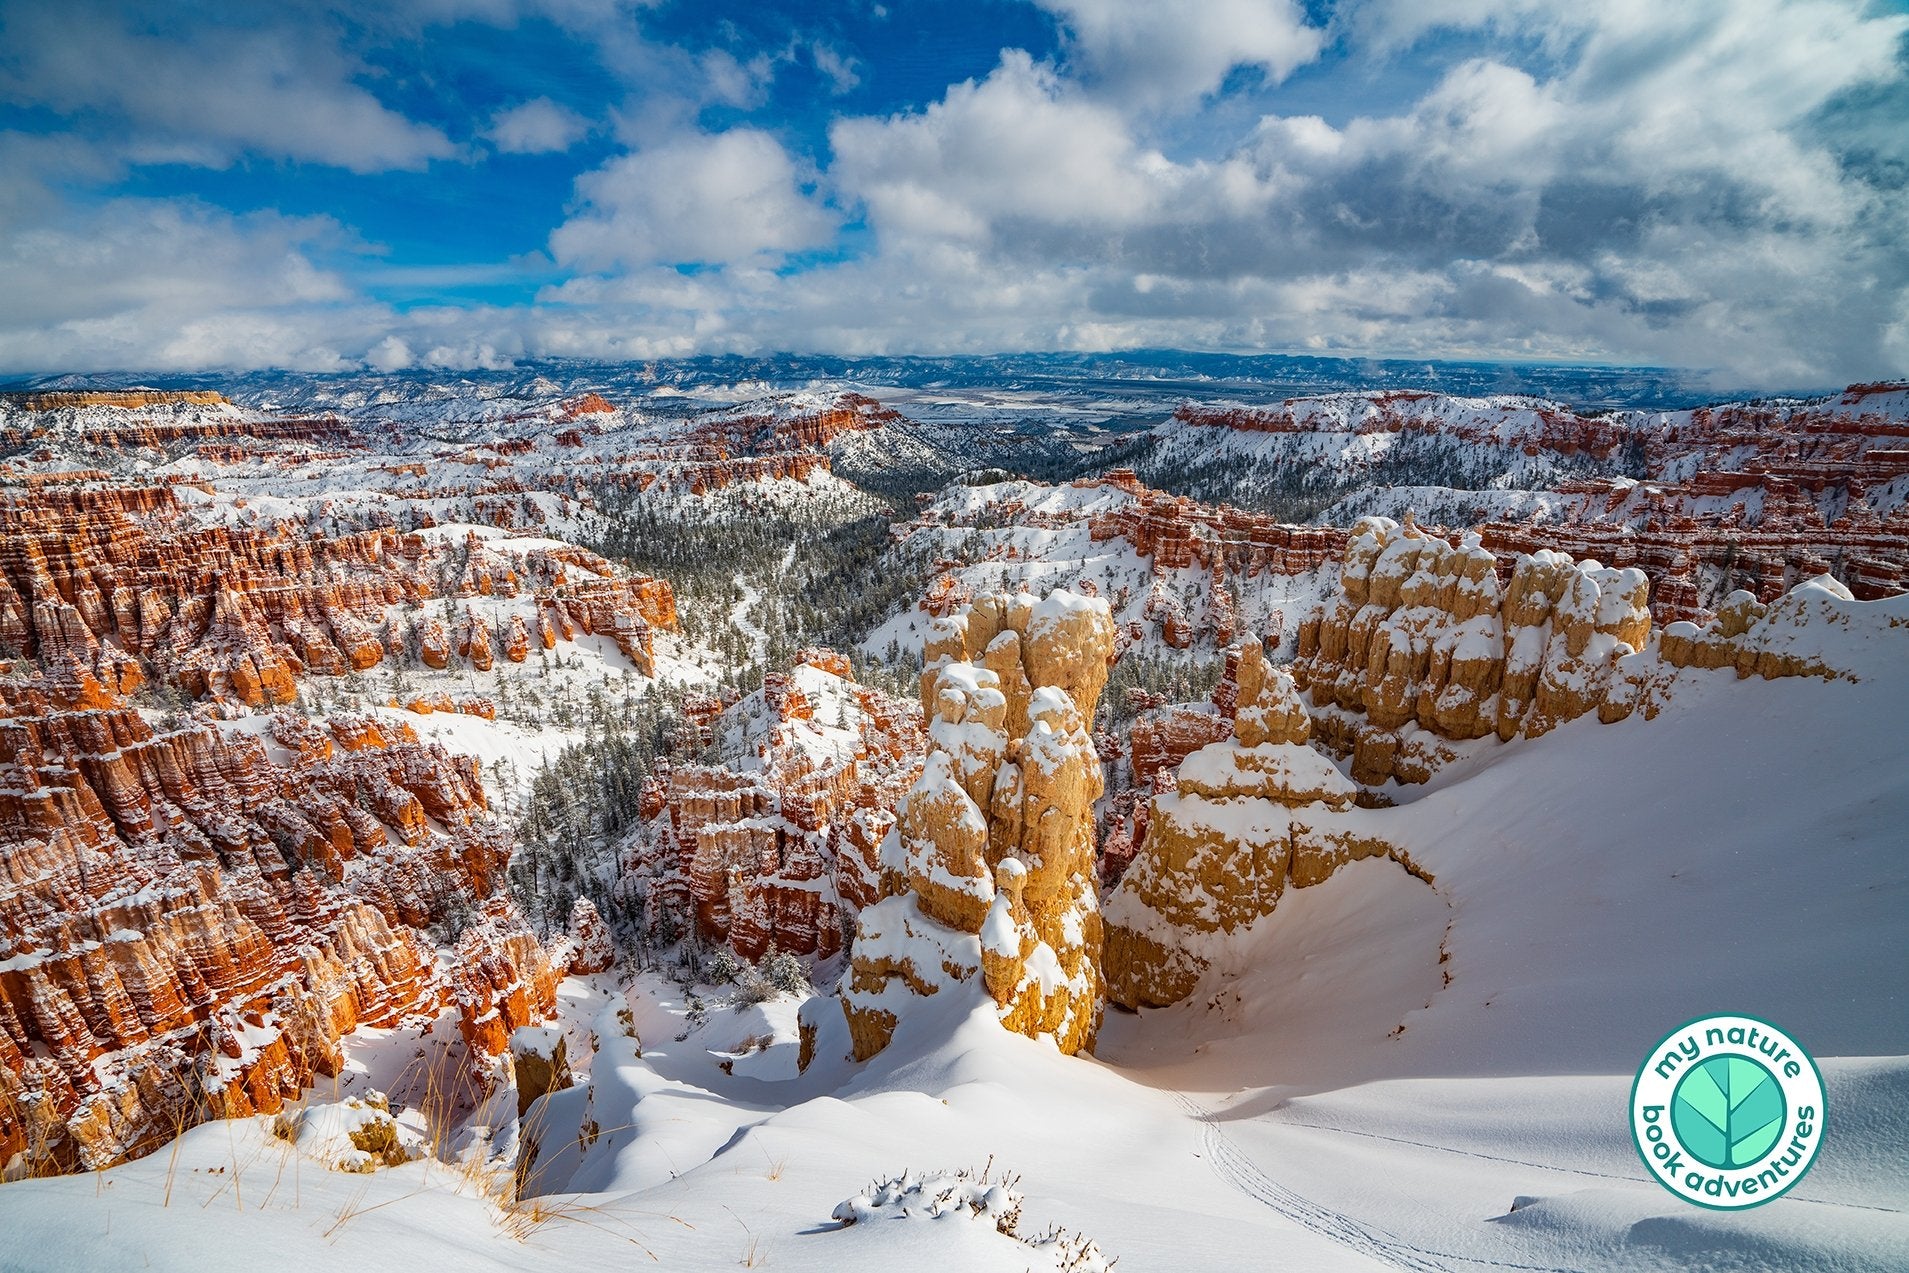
(1423,644)
(188,926)
(994,875)
(1164,736)
(1782,638)
(627,610)
(758,442)
(101,585)
(1177,533)
(586,404)
(540,1063)
(1246,819)
(357,1134)
(502,981)
(797,425)
(517,639)
(591,949)
(1424,647)
(775,848)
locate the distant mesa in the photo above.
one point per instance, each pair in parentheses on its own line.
(129,398)
(587,404)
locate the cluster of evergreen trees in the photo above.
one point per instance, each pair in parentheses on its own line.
(581,804)
(825,574)
(1171,677)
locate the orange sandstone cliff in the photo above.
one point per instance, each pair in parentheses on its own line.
(188,925)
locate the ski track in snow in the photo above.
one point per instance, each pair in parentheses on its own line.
(1232,1165)
(1545,1166)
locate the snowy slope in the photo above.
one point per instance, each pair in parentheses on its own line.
(1594,888)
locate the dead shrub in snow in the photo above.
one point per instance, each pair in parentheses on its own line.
(939,1195)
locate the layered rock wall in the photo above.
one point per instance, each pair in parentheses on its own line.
(123,398)
(738,446)
(99,585)
(1177,533)
(188,926)
(1529,424)
(1759,496)
(1424,646)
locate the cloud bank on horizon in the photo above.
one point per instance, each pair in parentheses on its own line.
(1715,184)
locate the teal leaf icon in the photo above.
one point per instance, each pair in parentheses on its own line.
(1728,1112)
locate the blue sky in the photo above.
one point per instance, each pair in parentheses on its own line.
(1717,184)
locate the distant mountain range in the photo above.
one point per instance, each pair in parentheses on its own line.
(1140,374)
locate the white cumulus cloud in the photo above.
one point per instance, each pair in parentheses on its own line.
(538,126)
(207,95)
(1153,53)
(696,198)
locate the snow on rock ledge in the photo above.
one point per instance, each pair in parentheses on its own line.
(357,1134)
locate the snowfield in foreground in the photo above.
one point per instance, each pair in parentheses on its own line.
(1382,1074)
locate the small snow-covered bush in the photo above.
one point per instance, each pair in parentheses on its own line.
(1072,1252)
(753,987)
(967,1195)
(777,974)
(722,967)
(934,1195)
(785,972)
